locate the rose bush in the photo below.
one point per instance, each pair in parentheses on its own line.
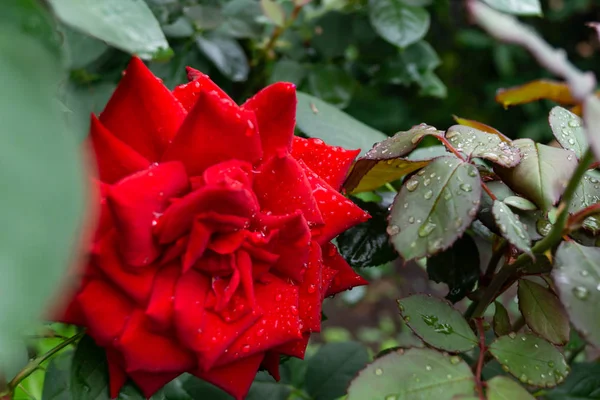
(213,252)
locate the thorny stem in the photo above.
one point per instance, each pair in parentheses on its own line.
(480,359)
(547,243)
(36,363)
(449,146)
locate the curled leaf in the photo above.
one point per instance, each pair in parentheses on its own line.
(536,90)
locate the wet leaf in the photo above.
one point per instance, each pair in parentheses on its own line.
(399,24)
(481,126)
(204,17)
(536,90)
(458,267)
(413,374)
(89,371)
(367,244)
(501,321)
(226,54)
(530,359)
(504,388)
(331,84)
(476,143)
(437,323)
(586,195)
(542,174)
(288,71)
(576,275)
(330,370)
(317,118)
(57,382)
(518,7)
(519,203)
(511,228)
(385,162)
(274,11)
(434,207)
(591,118)
(128,25)
(581,384)
(568,130)
(543,312)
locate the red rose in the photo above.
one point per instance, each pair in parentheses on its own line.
(213,251)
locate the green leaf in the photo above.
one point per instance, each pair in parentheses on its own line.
(330,370)
(413,374)
(587,194)
(591,118)
(128,25)
(519,203)
(511,227)
(204,17)
(331,84)
(81,49)
(542,174)
(180,28)
(576,275)
(458,267)
(42,172)
(581,384)
(328,41)
(241,19)
(434,207)
(288,71)
(385,163)
(501,321)
(504,388)
(399,24)
(475,143)
(530,359)
(568,130)
(437,323)
(367,244)
(518,7)
(431,85)
(196,388)
(543,312)
(226,54)
(273,11)
(317,118)
(57,382)
(89,372)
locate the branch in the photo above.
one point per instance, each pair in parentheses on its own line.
(508,29)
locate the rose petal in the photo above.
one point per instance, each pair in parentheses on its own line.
(235,378)
(338,212)
(346,278)
(271,364)
(215,131)
(116,373)
(189,307)
(136,284)
(198,240)
(187,94)
(295,348)
(327,276)
(282,188)
(106,319)
(137,201)
(229,172)
(275,109)
(114,158)
(160,305)
(331,163)
(105,221)
(310,289)
(147,351)
(150,383)
(142,112)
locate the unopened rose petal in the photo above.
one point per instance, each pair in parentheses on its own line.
(282,188)
(215,131)
(346,278)
(116,372)
(149,383)
(136,203)
(331,163)
(187,94)
(295,348)
(177,219)
(279,324)
(142,112)
(235,378)
(338,212)
(310,292)
(160,305)
(114,158)
(271,364)
(137,285)
(275,108)
(146,351)
(190,315)
(105,319)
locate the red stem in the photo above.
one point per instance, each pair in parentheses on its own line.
(482,351)
(576,219)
